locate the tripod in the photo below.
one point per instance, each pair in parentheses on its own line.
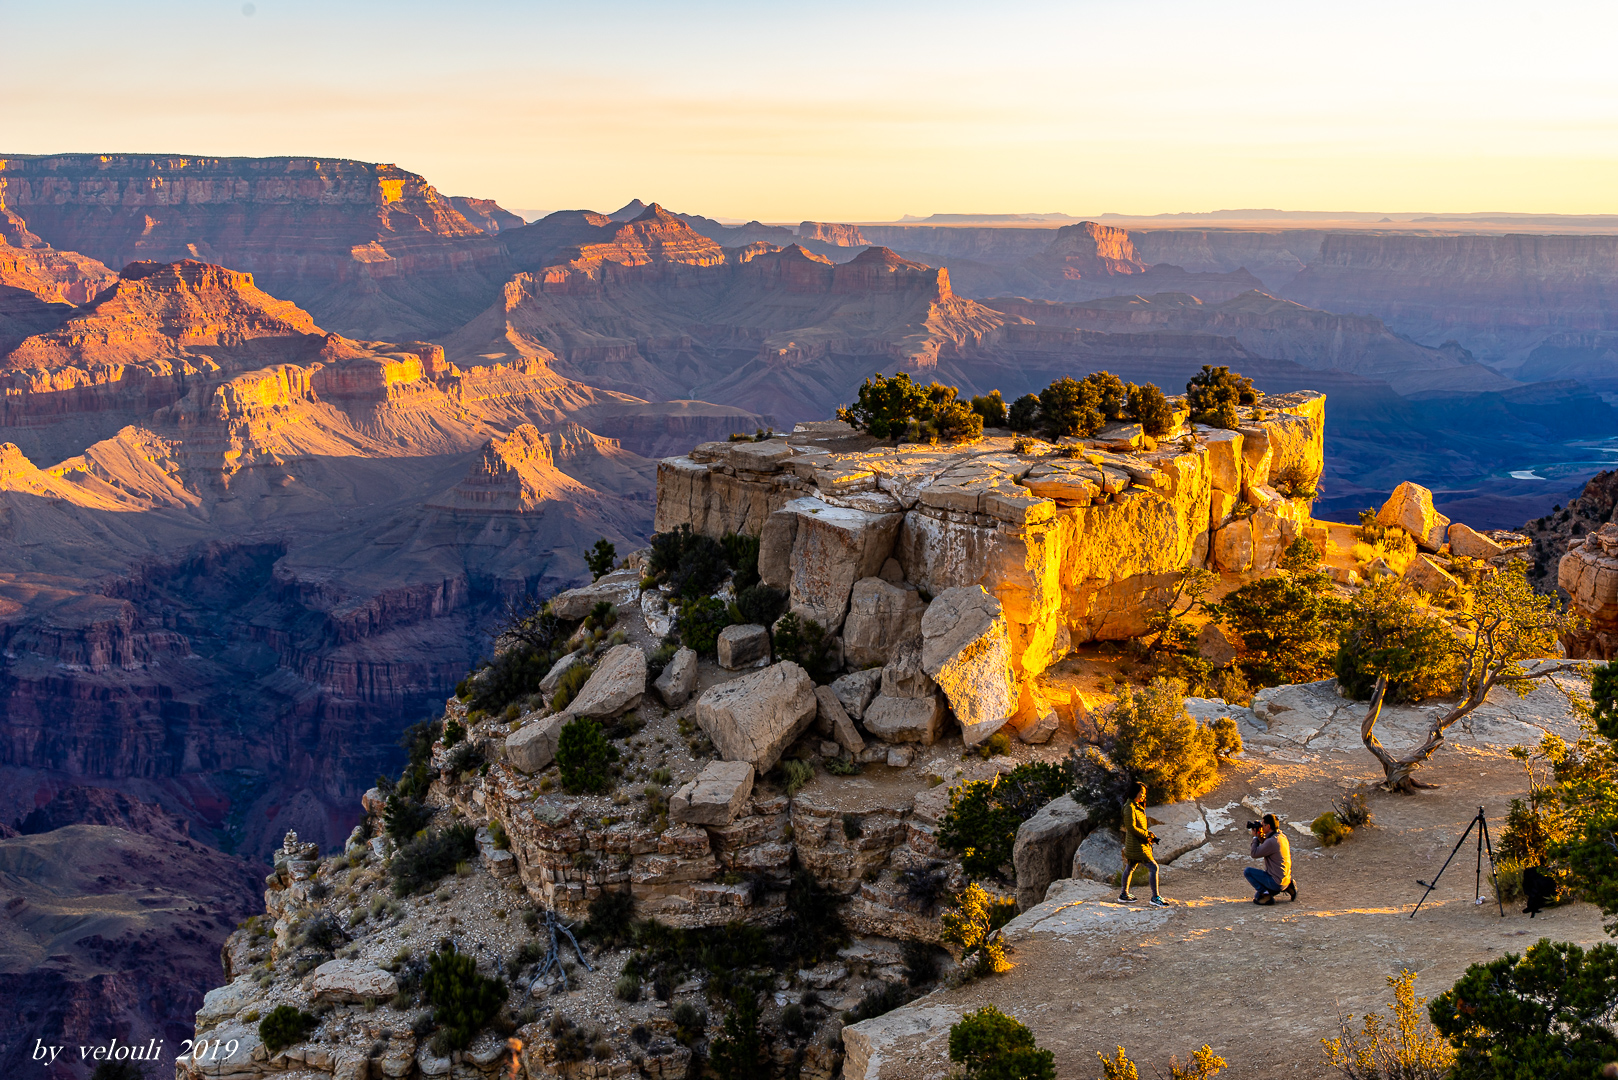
(1483,844)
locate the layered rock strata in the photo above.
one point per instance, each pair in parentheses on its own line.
(1075,542)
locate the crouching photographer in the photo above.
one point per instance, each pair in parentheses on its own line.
(1270,845)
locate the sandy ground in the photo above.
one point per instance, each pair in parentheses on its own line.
(1262,985)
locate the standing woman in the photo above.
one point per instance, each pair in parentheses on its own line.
(1138,848)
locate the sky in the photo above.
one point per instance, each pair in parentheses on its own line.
(855,111)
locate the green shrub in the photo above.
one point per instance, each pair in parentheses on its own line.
(1329,830)
(611,919)
(702,567)
(1070,407)
(569,684)
(600,558)
(689,1023)
(1388,630)
(921,961)
(843,766)
(1409,1050)
(761,604)
(1158,743)
(956,422)
(463,1001)
(1213,394)
(405,817)
(741,554)
(984,815)
(454,732)
(582,754)
(797,774)
(1288,625)
(699,622)
(806,643)
(884,406)
(1301,556)
(990,1045)
(627,988)
(1024,414)
(285,1026)
(427,858)
(991,407)
(738,1052)
(1148,405)
(1546,1014)
(497,835)
(972,923)
(513,674)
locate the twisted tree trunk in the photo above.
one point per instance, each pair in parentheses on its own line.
(1399,773)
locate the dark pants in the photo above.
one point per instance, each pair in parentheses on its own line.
(1129,874)
(1261,880)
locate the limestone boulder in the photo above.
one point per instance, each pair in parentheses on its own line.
(1099,856)
(1272,532)
(547,685)
(832,548)
(743,646)
(856,689)
(1410,507)
(966,651)
(1428,576)
(616,686)
(880,616)
(352,980)
(756,717)
(616,588)
(1036,718)
(832,717)
(1465,540)
(905,719)
(714,796)
(1044,848)
(1224,459)
(1233,546)
(679,679)
(904,676)
(533,746)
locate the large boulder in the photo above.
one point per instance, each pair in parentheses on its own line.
(1036,719)
(679,679)
(1233,546)
(833,718)
(616,685)
(1465,540)
(1043,850)
(1425,574)
(756,717)
(352,980)
(547,685)
(905,719)
(1224,459)
(832,548)
(1099,856)
(714,796)
(744,645)
(966,651)
(880,616)
(856,689)
(533,746)
(1410,507)
(616,588)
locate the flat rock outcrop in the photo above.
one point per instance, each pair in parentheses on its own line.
(715,796)
(1076,541)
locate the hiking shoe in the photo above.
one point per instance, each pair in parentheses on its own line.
(1268,900)
(1158,901)
(1292,891)
(1126,899)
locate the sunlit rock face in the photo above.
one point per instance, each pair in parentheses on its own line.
(1075,542)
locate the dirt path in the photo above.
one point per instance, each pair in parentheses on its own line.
(1262,985)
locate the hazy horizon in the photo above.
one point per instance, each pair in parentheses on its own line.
(852,112)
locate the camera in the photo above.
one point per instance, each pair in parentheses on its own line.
(1254,826)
